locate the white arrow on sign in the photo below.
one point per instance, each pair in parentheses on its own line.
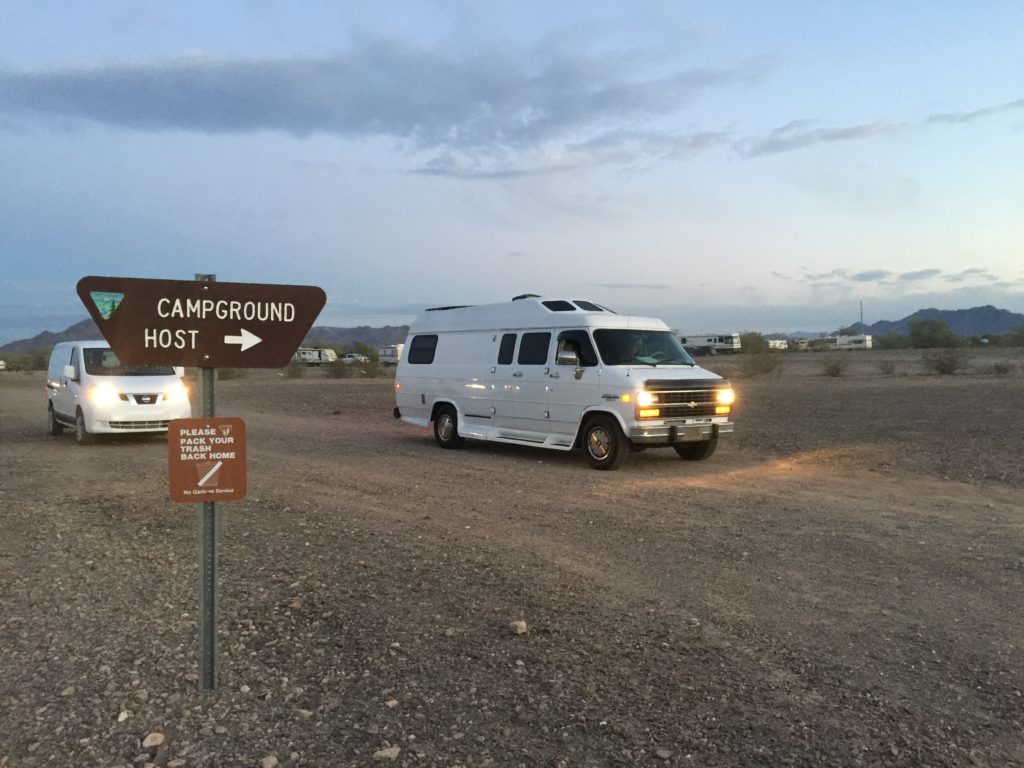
(246,339)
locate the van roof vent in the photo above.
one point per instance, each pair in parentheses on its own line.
(442,309)
(526,296)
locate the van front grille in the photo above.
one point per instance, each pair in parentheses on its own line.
(138,425)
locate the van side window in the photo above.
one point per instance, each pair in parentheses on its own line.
(579,342)
(533,349)
(508,346)
(422,348)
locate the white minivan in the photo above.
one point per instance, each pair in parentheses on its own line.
(90,390)
(559,374)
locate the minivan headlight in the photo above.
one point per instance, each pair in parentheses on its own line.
(176,393)
(104,394)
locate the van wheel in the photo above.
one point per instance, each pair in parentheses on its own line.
(696,451)
(54,427)
(446,428)
(82,436)
(604,444)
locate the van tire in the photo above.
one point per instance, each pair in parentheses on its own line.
(53,426)
(446,428)
(604,444)
(82,436)
(696,451)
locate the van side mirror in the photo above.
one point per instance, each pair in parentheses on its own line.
(179,371)
(69,372)
(567,357)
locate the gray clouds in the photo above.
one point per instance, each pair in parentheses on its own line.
(920,274)
(969,117)
(798,134)
(433,100)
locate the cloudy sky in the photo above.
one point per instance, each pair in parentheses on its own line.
(728,166)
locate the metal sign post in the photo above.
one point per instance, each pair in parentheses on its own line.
(208,325)
(208,528)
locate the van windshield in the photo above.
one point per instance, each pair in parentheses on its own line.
(632,347)
(103,362)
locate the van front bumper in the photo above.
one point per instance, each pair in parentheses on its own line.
(668,433)
(135,418)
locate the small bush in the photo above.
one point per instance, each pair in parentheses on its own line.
(1002,369)
(338,370)
(835,367)
(294,370)
(944,362)
(887,368)
(760,363)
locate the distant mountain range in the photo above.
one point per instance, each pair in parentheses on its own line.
(978,321)
(324,334)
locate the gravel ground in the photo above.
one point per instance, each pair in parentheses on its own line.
(839,585)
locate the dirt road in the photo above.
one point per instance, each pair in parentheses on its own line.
(841,584)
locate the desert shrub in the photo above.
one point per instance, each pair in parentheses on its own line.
(227,374)
(835,366)
(753,343)
(887,368)
(891,340)
(371,369)
(338,370)
(294,370)
(933,334)
(943,361)
(1002,369)
(760,363)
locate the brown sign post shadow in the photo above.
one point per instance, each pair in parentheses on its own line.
(208,325)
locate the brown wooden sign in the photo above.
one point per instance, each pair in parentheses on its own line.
(203,324)
(206,459)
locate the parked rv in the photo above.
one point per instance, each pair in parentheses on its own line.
(723,343)
(391,354)
(780,345)
(853,342)
(559,374)
(91,391)
(314,356)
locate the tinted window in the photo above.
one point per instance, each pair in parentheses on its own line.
(587,305)
(579,342)
(422,348)
(635,347)
(559,306)
(508,346)
(103,362)
(533,349)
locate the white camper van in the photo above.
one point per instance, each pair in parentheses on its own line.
(91,391)
(559,374)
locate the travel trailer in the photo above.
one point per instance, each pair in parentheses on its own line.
(559,374)
(314,356)
(723,343)
(91,391)
(391,354)
(853,342)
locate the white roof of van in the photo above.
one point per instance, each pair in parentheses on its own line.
(529,312)
(85,344)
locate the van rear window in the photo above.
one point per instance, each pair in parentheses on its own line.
(103,362)
(422,348)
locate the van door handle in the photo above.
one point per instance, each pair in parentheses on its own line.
(518,374)
(553,375)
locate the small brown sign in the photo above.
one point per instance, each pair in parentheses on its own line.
(206,459)
(204,324)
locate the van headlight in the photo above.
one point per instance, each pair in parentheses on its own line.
(176,393)
(645,399)
(104,394)
(726,396)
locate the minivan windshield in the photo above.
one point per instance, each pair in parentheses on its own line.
(101,361)
(633,347)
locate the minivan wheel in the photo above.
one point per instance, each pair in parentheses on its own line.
(82,435)
(604,444)
(696,451)
(52,425)
(446,428)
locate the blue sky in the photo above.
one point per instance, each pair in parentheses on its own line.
(727,166)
